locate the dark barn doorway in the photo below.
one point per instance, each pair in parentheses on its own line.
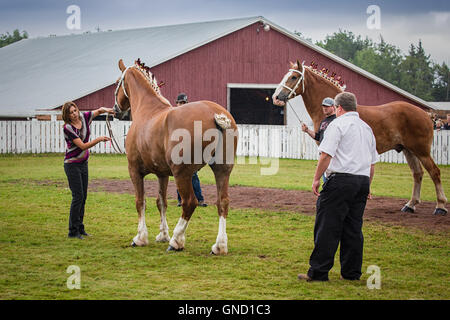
(254,106)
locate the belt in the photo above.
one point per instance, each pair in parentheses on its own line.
(341,174)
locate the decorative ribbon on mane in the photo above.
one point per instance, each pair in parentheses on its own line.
(337,81)
(145,70)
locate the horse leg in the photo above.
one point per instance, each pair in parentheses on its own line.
(161,203)
(417,172)
(141,239)
(222,174)
(435,175)
(188,204)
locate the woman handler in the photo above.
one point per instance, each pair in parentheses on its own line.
(76,133)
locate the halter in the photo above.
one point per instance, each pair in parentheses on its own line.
(121,82)
(300,79)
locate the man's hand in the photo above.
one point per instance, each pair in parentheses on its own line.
(315,187)
(304,127)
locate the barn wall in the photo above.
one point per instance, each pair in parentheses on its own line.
(100,98)
(244,56)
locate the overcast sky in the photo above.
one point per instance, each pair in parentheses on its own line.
(402,22)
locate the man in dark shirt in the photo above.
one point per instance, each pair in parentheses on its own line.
(447,125)
(330,113)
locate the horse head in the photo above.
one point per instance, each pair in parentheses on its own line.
(291,85)
(122,103)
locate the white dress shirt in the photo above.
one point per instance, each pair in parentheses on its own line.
(351,144)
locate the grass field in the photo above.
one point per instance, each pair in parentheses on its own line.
(266,249)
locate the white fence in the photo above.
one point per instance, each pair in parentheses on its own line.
(254,140)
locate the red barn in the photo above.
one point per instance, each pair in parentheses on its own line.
(236,63)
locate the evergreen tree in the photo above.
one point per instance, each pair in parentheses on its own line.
(382,60)
(417,73)
(6,39)
(344,44)
(441,85)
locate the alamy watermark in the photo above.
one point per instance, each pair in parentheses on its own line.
(74,280)
(374,281)
(192,150)
(73,22)
(374,20)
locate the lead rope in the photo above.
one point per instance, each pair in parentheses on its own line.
(114,142)
(294,111)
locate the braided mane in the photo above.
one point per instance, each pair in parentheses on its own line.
(335,80)
(145,70)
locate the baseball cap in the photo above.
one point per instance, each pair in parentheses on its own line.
(328,102)
(182,97)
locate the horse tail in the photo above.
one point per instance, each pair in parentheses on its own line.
(222,121)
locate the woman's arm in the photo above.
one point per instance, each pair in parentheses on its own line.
(83,146)
(101,110)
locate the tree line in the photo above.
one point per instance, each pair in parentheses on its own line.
(414,72)
(7,38)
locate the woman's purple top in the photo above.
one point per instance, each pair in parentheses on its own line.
(73,153)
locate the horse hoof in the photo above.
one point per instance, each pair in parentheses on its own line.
(407,209)
(170,248)
(212,253)
(133,244)
(440,212)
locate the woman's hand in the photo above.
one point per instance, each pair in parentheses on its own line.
(105,139)
(107,110)
(102,110)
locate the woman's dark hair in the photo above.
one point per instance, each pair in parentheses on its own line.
(66,110)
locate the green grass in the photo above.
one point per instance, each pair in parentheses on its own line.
(392,180)
(266,249)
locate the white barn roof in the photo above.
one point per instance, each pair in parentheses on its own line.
(441,105)
(45,72)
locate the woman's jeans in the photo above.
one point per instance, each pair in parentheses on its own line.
(77,175)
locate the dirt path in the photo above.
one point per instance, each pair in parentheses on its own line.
(382,209)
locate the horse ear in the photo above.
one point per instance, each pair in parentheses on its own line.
(291,64)
(121,65)
(298,64)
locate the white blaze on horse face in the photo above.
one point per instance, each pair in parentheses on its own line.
(178,237)
(281,85)
(221,245)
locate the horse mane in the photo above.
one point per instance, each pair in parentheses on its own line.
(324,73)
(151,79)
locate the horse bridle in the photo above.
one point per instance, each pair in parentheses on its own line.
(117,108)
(300,79)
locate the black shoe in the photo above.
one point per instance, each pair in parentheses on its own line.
(83,233)
(202,204)
(179,204)
(73,236)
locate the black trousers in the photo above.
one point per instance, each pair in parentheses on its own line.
(77,175)
(339,218)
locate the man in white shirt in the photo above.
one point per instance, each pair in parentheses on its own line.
(348,155)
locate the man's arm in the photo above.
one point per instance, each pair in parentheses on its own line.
(372,172)
(311,133)
(322,165)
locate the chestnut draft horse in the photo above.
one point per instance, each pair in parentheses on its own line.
(396,125)
(153,146)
